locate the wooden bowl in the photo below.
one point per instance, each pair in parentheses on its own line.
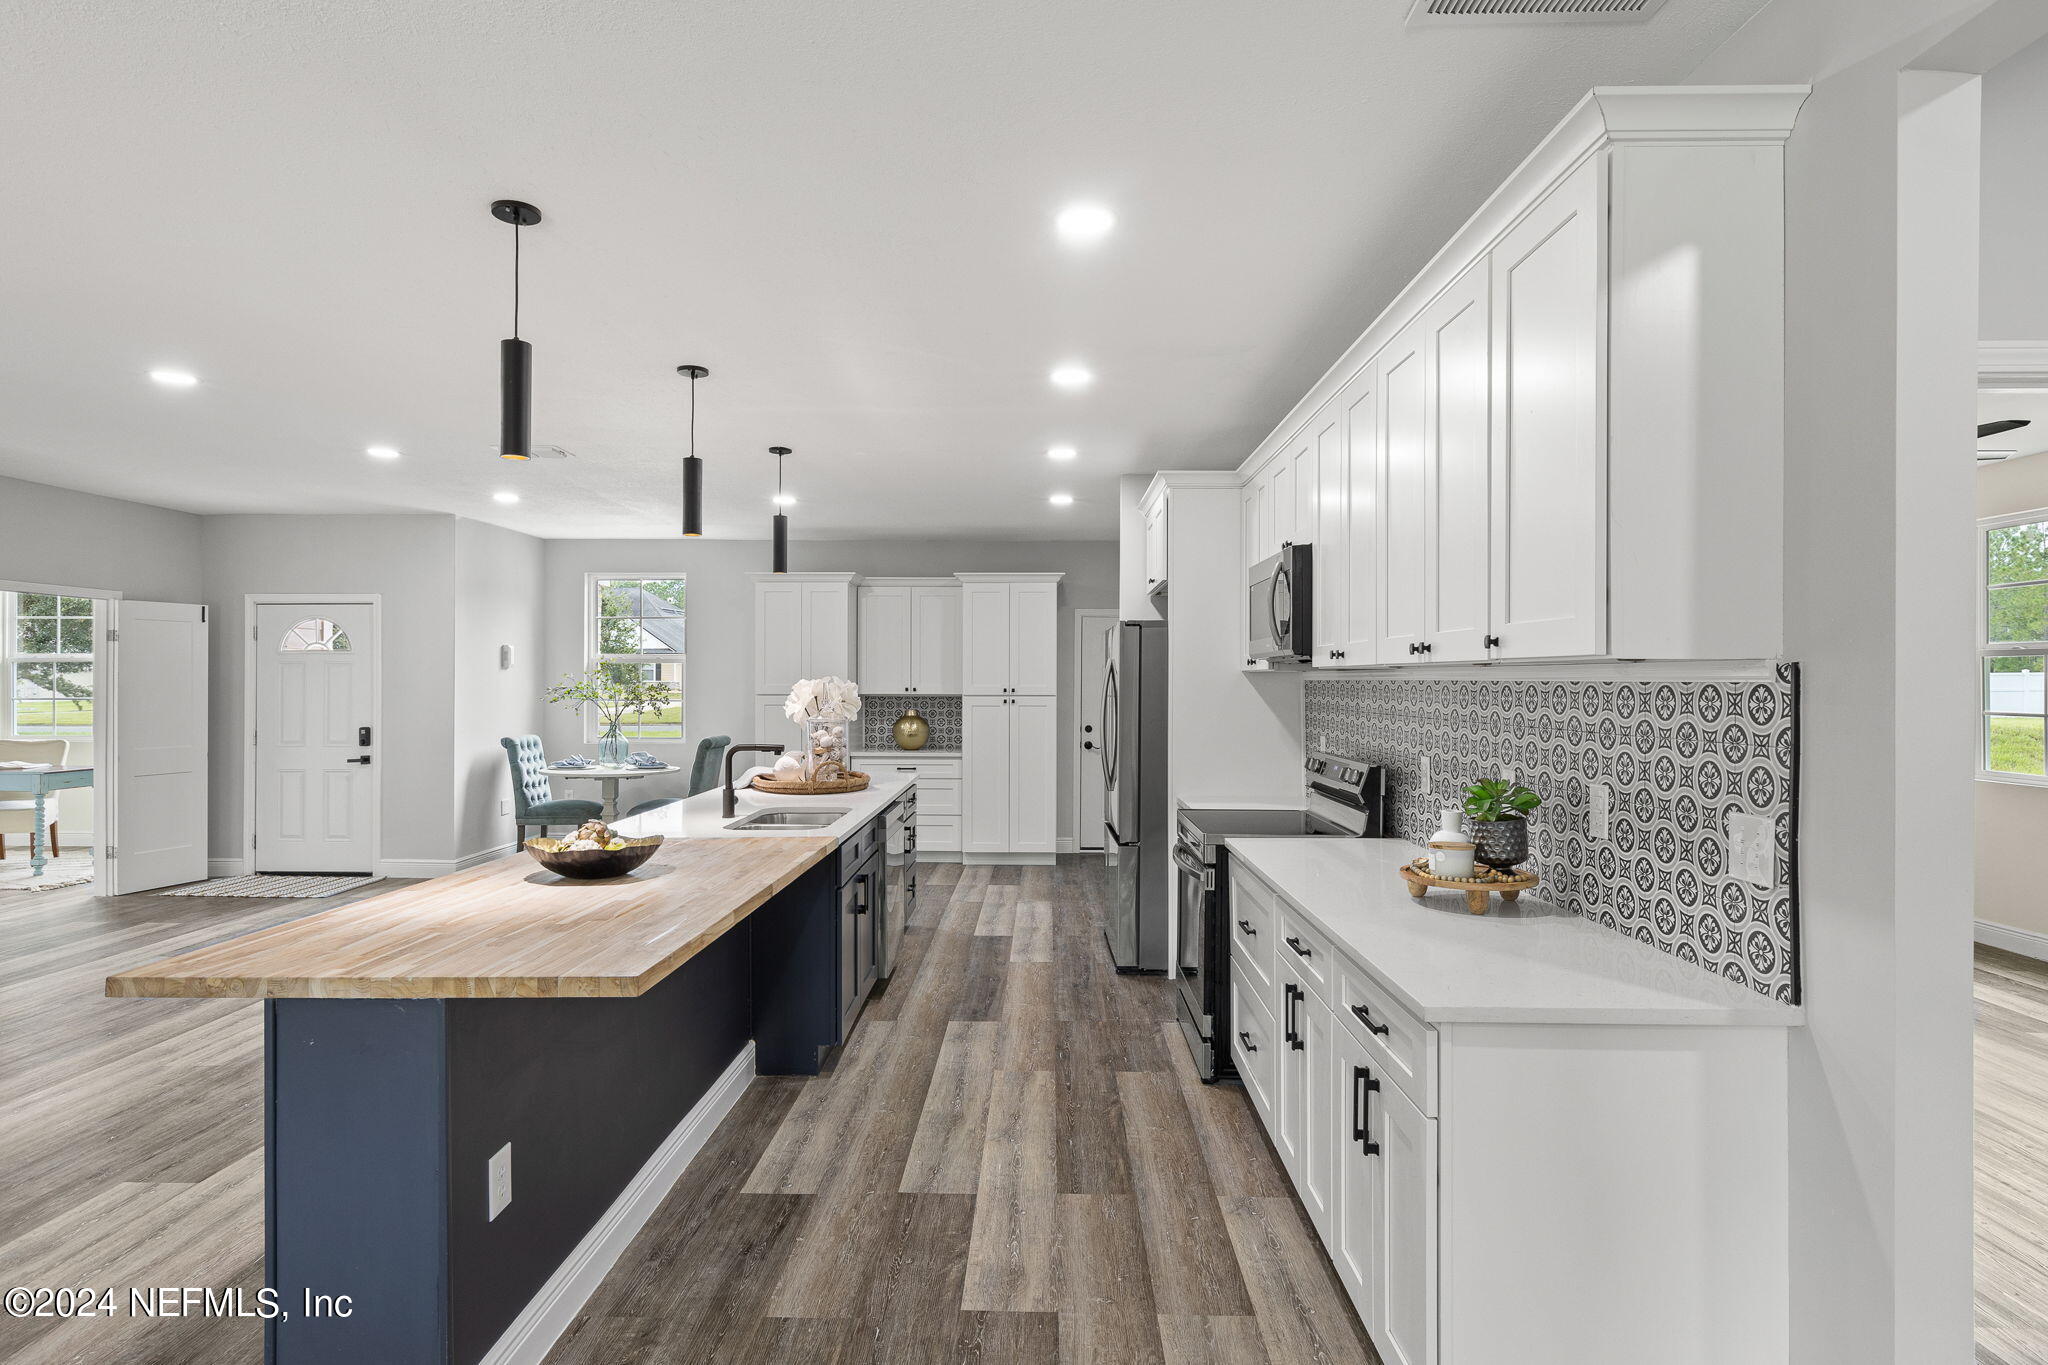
(592,864)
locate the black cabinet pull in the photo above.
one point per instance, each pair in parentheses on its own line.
(1295,995)
(1414,649)
(1246,1039)
(1367,1020)
(1424,648)
(1246,926)
(1362,1083)
(860,894)
(1491,642)
(1287,1015)
(1295,944)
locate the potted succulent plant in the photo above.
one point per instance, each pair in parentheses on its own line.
(1496,808)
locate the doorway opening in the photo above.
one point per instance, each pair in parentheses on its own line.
(52,647)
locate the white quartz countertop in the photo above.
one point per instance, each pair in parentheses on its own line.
(698,817)
(1529,963)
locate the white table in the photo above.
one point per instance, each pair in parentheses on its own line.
(39,783)
(611,777)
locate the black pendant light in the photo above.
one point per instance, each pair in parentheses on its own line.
(515,357)
(781,519)
(693,468)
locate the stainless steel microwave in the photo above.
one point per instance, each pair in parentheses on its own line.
(1281,606)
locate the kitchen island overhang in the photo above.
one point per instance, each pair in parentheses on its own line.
(599,1030)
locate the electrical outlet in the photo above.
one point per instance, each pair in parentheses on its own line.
(1507,772)
(1601,816)
(1752,853)
(501,1180)
(1428,777)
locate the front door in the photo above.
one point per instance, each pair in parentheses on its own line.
(316,677)
(1094,629)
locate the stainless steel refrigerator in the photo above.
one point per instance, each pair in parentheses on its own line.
(1139,826)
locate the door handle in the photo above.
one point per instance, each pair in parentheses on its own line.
(1363,1083)
(1246,926)
(1295,944)
(364,760)
(1246,1039)
(1366,1019)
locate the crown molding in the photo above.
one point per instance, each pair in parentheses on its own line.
(2012,365)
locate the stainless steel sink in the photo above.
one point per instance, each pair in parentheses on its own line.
(787,819)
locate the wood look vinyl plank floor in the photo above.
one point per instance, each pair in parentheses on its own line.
(2012,1158)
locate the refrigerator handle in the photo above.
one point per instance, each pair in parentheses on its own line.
(1110,737)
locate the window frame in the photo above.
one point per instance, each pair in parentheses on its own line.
(593,656)
(1988,649)
(11,657)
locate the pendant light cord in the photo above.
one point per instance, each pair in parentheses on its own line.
(515,279)
(693,416)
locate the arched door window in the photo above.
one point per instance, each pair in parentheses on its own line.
(315,634)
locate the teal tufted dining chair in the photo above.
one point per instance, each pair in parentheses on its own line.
(703,772)
(533,800)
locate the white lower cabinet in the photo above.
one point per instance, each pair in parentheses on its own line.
(1306,1133)
(1404,1280)
(1011,747)
(1253,1044)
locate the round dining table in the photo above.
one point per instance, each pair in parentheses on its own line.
(609,778)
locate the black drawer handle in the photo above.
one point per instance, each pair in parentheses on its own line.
(1246,1039)
(1295,944)
(1246,926)
(1366,1019)
(1363,1082)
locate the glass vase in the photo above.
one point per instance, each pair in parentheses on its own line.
(612,747)
(825,742)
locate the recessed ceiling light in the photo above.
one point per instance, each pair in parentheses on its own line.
(1061,500)
(508,498)
(381,452)
(1083,224)
(1060,452)
(174,379)
(1071,376)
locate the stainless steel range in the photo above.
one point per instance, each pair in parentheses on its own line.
(1344,799)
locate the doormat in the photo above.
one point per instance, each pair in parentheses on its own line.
(272,885)
(69,869)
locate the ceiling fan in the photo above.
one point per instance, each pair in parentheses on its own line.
(1999,428)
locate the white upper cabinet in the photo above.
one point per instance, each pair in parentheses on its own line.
(1549,483)
(1403,488)
(1009,634)
(1458,393)
(1357,490)
(803,628)
(1565,438)
(909,635)
(1156,543)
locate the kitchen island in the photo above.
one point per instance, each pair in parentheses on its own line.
(478,1086)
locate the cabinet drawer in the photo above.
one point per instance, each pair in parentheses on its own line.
(1307,949)
(939,796)
(1251,931)
(1402,1046)
(937,833)
(907,765)
(1254,1042)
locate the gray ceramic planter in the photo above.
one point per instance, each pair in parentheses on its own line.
(1502,844)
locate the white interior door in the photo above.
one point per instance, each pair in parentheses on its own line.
(1092,632)
(159,805)
(316,679)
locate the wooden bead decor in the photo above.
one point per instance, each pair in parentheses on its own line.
(1479,889)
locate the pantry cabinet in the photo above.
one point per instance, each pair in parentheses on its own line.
(1009,634)
(909,635)
(1572,435)
(1010,749)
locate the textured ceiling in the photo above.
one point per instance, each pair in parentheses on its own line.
(843,209)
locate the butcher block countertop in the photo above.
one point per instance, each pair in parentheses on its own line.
(507,928)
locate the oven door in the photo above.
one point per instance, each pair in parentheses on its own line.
(1195,885)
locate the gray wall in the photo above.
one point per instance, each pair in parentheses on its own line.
(2013,290)
(80,540)
(499,589)
(720,685)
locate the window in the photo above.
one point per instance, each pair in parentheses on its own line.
(315,635)
(636,627)
(46,659)
(2012,644)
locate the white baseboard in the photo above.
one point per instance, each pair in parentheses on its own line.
(1009,859)
(2025,942)
(487,855)
(935,855)
(438,867)
(227,867)
(548,1314)
(1066,844)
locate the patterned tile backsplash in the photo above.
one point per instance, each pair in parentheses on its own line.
(1679,757)
(878,712)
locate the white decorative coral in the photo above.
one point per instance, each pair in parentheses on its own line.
(822,699)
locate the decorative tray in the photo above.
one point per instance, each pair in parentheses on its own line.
(832,786)
(1479,889)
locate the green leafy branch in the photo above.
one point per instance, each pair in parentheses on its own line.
(615,691)
(1498,799)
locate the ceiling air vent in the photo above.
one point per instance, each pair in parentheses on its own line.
(1431,12)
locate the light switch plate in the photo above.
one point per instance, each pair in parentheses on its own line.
(1428,778)
(1601,815)
(1752,853)
(501,1180)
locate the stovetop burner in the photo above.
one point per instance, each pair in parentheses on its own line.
(1252,824)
